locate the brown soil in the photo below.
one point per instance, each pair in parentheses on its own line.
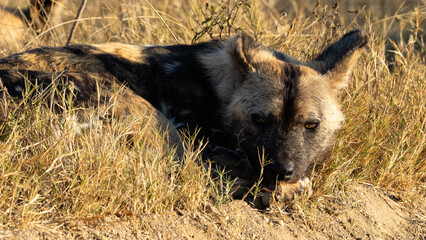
(364,212)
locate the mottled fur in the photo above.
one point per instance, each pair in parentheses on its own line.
(249,100)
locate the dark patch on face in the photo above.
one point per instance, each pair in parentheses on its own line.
(291,80)
(278,142)
(272,133)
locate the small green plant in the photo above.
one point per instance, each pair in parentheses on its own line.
(219,18)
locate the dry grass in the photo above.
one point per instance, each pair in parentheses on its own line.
(56,166)
(50,170)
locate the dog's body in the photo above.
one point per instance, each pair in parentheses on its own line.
(245,97)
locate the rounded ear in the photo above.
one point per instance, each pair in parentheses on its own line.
(240,49)
(337,60)
(42,8)
(43,3)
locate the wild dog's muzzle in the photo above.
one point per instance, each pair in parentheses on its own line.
(279,171)
(269,168)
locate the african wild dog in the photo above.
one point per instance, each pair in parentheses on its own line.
(16,23)
(248,99)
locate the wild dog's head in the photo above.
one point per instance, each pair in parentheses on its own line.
(282,108)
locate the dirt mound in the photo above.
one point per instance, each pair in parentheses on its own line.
(364,212)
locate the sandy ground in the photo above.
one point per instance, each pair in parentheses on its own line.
(364,212)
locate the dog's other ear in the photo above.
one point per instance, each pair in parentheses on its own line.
(240,49)
(43,6)
(337,60)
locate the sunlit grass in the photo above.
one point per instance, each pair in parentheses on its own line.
(74,163)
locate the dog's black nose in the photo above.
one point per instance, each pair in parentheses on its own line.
(285,171)
(279,171)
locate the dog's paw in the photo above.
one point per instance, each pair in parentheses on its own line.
(286,192)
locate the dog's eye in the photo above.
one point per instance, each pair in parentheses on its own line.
(257,118)
(311,125)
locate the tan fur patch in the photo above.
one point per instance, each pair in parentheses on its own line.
(316,92)
(130,52)
(224,77)
(340,75)
(59,61)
